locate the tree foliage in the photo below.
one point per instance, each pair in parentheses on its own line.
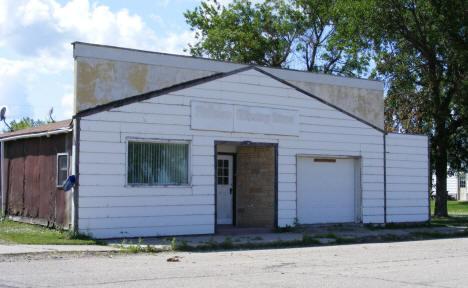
(275,33)
(418,47)
(24,122)
(421,48)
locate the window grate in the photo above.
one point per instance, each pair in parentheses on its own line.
(157,163)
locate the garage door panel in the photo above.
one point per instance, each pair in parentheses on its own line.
(325,191)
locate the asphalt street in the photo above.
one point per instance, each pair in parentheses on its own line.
(431,263)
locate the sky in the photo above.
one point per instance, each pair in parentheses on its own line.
(36,55)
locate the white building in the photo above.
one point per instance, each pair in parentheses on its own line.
(171,145)
(456,186)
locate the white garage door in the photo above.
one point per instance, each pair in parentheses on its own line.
(325,190)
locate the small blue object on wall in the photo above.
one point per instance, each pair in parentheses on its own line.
(69,183)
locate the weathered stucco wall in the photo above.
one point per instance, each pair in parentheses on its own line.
(104,74)
(367,104)
(101,81)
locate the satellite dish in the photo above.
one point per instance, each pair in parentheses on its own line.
(2,117)
(51,111)
(2,113)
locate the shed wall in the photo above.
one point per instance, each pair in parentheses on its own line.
(109,208)
(407,178)
(30,180)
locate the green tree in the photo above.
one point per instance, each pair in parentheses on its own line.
(420,47)
(274,33)
(24,122)
(243,33)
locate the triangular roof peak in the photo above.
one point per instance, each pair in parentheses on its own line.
(202,80)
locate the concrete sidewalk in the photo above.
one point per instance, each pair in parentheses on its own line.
(16,249)
(302,235)
(324,234)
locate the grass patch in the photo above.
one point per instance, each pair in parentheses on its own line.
(309,240)
(454,208)
(450,221)
(437,235)
(285,229)
(22,233)
(138,248)
(458,214)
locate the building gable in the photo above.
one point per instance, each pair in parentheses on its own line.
(258,82)
(104,74)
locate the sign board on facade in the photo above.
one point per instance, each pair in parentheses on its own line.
(242,118)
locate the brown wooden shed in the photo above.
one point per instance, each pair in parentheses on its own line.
(35,162)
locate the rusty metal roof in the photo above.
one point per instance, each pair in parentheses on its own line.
(33,131)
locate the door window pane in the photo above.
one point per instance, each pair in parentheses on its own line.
(222,172)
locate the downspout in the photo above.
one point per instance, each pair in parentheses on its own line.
(76,172)
(2,171)
(385,176)
(430,179)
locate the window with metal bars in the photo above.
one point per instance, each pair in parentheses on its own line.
(157,163)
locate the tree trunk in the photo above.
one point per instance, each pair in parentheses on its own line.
(441,145)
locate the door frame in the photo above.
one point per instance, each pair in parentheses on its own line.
(243,143)
(234,184)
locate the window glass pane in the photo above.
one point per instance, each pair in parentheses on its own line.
(62,169)
(62,177)
(157,163)
(462,180)
(62,162)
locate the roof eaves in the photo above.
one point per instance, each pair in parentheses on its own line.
(58,127)
(36,134)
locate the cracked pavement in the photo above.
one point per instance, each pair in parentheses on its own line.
(429,263)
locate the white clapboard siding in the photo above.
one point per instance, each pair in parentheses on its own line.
(137,191)
(122,212)
(394,218)
(372,202)
(407,178)
(373,219)
(156,221)
(126,232)
(109,208)
(145,201)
